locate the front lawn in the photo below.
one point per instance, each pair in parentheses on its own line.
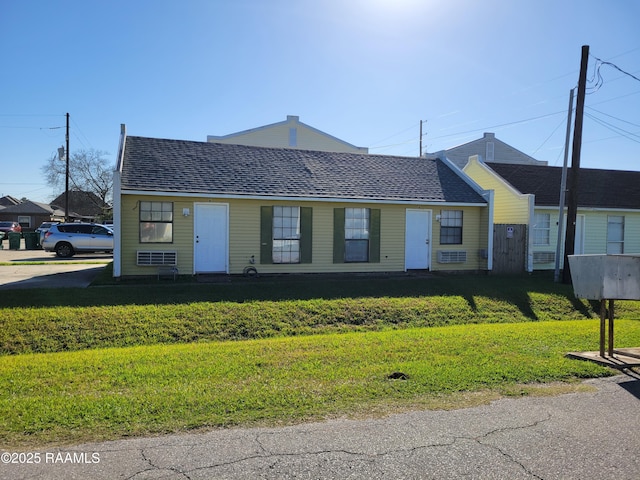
(91,364)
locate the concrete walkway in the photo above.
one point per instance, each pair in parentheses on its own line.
(593,435)
(52,272)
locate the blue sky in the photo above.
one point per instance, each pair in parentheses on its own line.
(365,71)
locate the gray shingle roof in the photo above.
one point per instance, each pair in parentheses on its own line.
(596,188)
(180,166)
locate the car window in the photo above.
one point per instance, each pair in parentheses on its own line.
(98,230)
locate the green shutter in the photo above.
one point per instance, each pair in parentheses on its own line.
(374,235)
(338,235)
(306,234)
(266,235)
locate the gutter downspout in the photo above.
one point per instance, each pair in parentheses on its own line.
(489,195)
(117,205)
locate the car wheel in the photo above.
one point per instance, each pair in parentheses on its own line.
(64,250)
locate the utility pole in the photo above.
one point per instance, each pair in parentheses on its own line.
(66,182)
(572,207)
(563,188)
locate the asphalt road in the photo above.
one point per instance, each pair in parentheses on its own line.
(589,435)
(54,272)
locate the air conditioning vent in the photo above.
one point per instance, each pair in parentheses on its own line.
(544,257)
(154,258)
(452,256)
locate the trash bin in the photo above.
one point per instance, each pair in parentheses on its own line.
(31,240)
(14,240)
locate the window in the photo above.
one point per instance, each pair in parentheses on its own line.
(615,234)
(286,234)
(356,235)
(541,228)
(451,227)
(25,222)
(489,151)
(156,222)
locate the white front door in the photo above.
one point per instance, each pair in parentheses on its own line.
(417,248)
(211,226)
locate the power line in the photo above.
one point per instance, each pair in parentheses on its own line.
(621,132)
(602,62)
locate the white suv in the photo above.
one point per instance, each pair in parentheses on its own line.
(67,239)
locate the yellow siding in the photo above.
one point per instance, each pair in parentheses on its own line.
(244,237)
(509,206)
(278,136)
(474,239)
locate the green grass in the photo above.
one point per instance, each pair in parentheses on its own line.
(111,393)
(124,360)
(117,316)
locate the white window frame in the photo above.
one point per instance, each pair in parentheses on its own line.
(356,234)
(451,221)
(542,229)
(286,234)
(615,234)
(156,222)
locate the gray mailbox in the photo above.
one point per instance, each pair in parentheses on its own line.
(606,277)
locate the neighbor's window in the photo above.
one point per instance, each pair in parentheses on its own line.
(615,234)
(541,229)
(451,227)
(156,222)
(356,235)
(286,234)
(25,222)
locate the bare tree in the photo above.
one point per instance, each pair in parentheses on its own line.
(89,171)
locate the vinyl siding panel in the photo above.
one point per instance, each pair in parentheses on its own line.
(245,242)
(474,239)
(595,233)
(279,136)
(130,236)
(510,206)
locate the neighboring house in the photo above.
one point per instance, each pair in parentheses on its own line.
(84,206)
(489,149)
(8,201)
(31,214)
(608,217)
(219,208)
(291,133)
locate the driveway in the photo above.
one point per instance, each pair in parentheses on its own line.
(589,435)
(51,271)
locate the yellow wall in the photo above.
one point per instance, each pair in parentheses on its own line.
(510,206)
(278,136)
(244,237)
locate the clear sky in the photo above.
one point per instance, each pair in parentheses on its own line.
(365,71)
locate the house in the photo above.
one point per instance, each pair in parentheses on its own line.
(85,206)
(291,133)
(31,214)
(8,201)
(207,207)
(489,149)
(608,217)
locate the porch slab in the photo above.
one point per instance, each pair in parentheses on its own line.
(622,357)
